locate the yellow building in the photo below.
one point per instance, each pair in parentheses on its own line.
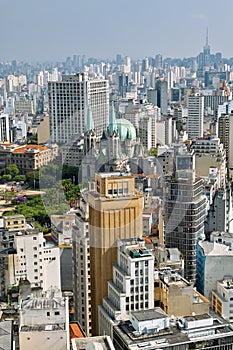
(115,212)
(27,157)
(14,222)
(177,297)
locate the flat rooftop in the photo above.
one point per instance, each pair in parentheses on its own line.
(114,174)
(99,342)
(152,314)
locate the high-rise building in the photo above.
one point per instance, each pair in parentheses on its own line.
(115,212)
(132,287)
(162,95)
(230,147)
(81,265)
(195,116)
(68,105)
(223,131)
(185,212)
(35,260)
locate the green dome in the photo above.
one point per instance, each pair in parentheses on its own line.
(125,129)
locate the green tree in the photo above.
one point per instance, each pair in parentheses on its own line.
(12,170)
(32,178)
(19,178)
(6,177)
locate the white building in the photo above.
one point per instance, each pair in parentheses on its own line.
(195,116)
(214,261)
(68,105)
(222,237)
(161,132)
(34,260)
(132,287)
(44,323)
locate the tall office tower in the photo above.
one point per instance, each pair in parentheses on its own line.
(127,64)
(115,212)
(195,116)
(145,64)
(68,105)
(230,146)
(81,265)
(223,131)
(162,95)
(6,128)
(159,61)
(185,212)
(152,96)
(132,286)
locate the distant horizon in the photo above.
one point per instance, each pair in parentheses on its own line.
(49,31)
(62,60)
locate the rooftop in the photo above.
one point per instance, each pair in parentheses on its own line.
(30,148)
(43,303)
(173,335)
(152,314)
(98,343)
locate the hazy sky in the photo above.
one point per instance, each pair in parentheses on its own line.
(34,30)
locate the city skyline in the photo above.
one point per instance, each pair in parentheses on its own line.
(52,31)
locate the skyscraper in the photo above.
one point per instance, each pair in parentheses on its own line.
(68,106)
(195,116)
(185,212)
(115,212)
(162,96)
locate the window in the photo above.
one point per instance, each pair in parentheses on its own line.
(48,313)
(57,313)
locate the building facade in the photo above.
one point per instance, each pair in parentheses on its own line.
(115,212)
(68,106)
(195,116)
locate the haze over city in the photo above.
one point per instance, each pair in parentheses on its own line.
(51,30)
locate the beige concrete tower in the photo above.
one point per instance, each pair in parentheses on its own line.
(115,211)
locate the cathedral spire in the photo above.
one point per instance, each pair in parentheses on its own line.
(89,124)
(112,119)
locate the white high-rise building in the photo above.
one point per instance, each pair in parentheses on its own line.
(132,287)
(34,260)
(195,116)
(68,105)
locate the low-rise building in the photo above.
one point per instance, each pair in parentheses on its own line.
(27,157)
(152,330)
(44,323)
(222,298)
(99,342)
(177,297)
(14,222)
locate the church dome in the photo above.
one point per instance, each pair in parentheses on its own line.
(125,129)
